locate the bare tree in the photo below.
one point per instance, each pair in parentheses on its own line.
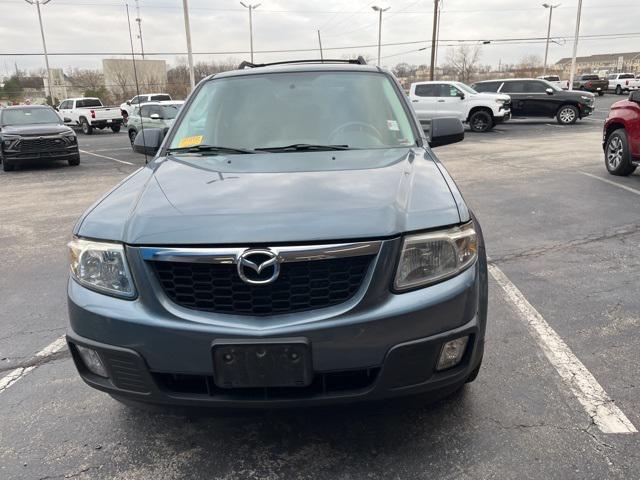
(529,66)
(86,79)
(463,61)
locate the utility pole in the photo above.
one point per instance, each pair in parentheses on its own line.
(380,10)
(433,38)
(44,44)
(139,20)
(435,62)
(187,28)
(575,46)
(320,43)
(251,9)
(546,50)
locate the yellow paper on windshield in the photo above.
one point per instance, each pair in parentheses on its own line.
(190,141)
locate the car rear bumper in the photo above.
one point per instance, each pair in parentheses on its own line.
(384,349)
(106,123)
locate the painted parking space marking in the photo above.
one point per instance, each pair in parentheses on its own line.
(611,182)
(108,158)
(16,374)
(594,399)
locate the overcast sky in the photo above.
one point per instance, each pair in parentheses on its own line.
(222,26)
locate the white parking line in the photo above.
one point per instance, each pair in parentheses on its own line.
(14,375)
(611,182)
(108,158)
(604,413)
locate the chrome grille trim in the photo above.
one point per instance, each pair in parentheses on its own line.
(286,254)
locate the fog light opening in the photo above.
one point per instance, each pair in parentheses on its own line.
(452,353)
(92,361)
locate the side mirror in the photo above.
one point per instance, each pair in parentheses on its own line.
(67,120)
(549,91)
(634,96)
(461,95)
(154,116)
(445,131)
(56,108)
(128,102)
(148,141)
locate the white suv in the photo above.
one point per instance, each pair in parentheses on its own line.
(142,98)
(455,99)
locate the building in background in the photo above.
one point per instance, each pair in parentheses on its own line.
(119,78)
(602,63)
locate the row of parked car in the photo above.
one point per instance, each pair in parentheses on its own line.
(619,83)
(487,103)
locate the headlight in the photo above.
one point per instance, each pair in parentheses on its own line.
(9,139)
(70,136)
(427,258)
(500,101)
(101,266)
(584,97)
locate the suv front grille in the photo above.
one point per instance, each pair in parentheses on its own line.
(41,144)
(303,285)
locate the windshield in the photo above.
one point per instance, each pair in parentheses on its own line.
(28,116)
(349,109)
(465,87)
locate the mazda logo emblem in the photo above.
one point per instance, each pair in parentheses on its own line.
(258,266)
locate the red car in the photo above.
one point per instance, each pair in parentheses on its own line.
(621,136)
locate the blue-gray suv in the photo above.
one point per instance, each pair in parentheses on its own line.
(294,241)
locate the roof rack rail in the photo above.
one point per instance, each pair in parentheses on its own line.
(354,61)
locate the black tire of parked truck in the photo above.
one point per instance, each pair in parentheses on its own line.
(481,121)
(567,115)
(74,162)
(618,90)
(617,157)
(86,128)
(115,128)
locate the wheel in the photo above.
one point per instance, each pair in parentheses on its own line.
(618,90)
(86,128)
(115,128)
(125,117)
(474,374)
(74,162)
(481,121)
(132,136)
(617,157)
(567,115)
(600,93)
(7,167)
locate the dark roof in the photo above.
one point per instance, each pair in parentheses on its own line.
(299,67)
(506,79)
(602,57)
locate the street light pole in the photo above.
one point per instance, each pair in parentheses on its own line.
(575,46)
(44,43)
(251,9)
(139,20)
(320,43)
(546,50)
(187,28)
(380,10)
(433,38)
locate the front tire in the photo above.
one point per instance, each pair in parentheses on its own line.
(618,90)
(481,121)
(6,166)
(74,162)
(567,115)
(86,128)
(617,157)
(115,128)
(132,136)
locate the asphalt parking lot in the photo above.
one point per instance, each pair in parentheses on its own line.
(562,235)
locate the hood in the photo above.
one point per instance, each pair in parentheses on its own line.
(275,198)
(490,96)
(36,129)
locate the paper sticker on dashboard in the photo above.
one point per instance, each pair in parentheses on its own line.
(393,125)
(190,141)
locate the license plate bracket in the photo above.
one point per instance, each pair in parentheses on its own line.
(262,363)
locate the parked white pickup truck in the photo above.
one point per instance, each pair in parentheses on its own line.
(555,80)
(89,113)
(455,99)
(623,82)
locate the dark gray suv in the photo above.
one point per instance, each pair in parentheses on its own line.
(294,242)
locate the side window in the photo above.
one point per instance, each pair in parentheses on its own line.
(535,87)
(64,105)
(487,86)
(144,111)
(513,87)
(134,101)
(449,91)
(428,90)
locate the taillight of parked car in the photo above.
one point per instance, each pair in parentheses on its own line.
(588,84)
(93,114)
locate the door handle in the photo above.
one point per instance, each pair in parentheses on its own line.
(440,101)
(414,101)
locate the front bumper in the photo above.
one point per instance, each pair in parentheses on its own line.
(66,154)
(377,345)
(503,116)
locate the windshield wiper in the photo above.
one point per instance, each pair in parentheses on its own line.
(209,148)
(300,147)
